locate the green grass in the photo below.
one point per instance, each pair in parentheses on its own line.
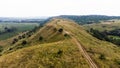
(63,54)
(114,37)
(60,52)
(95,47)
(20,27)
(104,26)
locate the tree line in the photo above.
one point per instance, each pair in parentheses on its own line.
(104,35)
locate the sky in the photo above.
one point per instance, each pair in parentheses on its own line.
(37,8)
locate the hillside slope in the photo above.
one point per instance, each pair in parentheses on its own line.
(65,44)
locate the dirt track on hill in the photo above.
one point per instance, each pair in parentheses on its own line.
(85,54)
(92,64)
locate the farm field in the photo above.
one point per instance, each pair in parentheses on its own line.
(8,30)
(104,25)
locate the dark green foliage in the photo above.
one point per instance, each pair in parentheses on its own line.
(104,35)
(60,52)
(10,48)
(1,48)
(88,19)
(66,35)
(60,30)
(98,34)
(117,61)
(24,42)
(19,37)
(14,41)
(40,38)
(7,30)
(102,57)
(23,36)
(29,35)
(115,32)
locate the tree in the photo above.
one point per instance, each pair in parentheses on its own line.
(60,30)
(14,41)
(40,38)
(1,48)
(23,36)
(24,42)
(20,37)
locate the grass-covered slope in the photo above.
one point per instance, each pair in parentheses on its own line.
(62,54)
(56,50)
(105,54)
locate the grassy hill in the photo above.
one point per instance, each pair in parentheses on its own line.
(53,46)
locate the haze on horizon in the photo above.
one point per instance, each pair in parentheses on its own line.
(37,8)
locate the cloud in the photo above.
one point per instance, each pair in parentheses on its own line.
(28,8)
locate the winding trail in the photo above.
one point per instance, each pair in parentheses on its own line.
(92,64)
(85,54)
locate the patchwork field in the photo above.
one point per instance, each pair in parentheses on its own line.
(104,25)
(8,30)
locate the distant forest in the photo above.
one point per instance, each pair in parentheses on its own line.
(83,19)
(88,19)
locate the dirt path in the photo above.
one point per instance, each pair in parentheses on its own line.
(83,51)
(92,64)
(85,54)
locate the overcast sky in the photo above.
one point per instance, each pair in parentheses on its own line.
(36,8)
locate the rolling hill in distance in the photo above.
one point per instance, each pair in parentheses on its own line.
(61,42)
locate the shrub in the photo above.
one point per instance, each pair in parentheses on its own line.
(1,48)
(24,42)
(102,57)
(14,41)
(117,61)
(60,30)
(10,48)
(40,38)
(29,35)
(66,35)
(60,52)
(19,37)
(23,36)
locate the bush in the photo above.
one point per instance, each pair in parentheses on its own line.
(14,41)
(1,48)
(23,36)
(60,52)
(118,61)
(29,35)
(19,37)
(24,42)
(102,57)
(60,30)
(40,38)
(66,35)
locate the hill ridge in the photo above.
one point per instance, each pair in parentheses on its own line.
(67,53)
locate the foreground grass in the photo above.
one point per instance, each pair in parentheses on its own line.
(62,54)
